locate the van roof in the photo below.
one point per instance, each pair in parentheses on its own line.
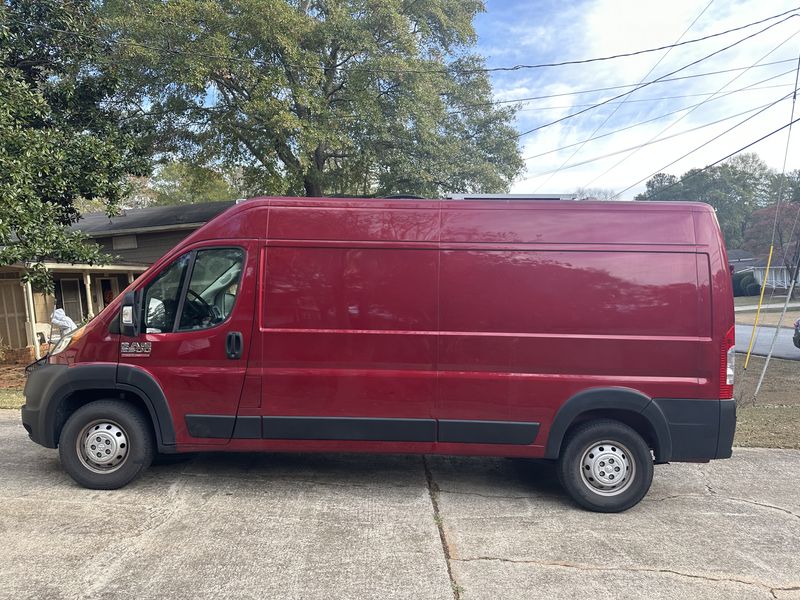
(477,201)
(655,224)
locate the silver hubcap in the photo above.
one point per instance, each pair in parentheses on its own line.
(102,446)
(607,468)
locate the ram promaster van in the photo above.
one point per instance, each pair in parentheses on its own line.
(595,334)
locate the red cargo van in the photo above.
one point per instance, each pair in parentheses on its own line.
(595,334)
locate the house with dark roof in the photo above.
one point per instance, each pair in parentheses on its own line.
(740,260)
(134,239)
(778,277)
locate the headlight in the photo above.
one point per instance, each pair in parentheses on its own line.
(66,341)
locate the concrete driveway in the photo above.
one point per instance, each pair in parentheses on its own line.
(346,526)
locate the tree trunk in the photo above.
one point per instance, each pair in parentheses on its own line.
(312,180)
(312,183)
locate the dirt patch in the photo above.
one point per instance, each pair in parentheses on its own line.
(781,385)
(774,420)
(768,317)
(768,426)
(12,376)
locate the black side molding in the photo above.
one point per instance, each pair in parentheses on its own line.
(488,432)
(247,428)
(210,426)
(365,429)
(349,428)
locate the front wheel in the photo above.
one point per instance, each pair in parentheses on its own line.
(105,444)
(605,466)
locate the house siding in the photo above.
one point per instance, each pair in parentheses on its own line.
(151,246)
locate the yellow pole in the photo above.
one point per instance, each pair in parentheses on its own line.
(758,310)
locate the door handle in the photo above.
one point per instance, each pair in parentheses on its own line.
(233,345)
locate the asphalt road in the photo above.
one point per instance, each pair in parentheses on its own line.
(383,527)
(784,347)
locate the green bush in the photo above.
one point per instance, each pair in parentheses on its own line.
(741,283)
(753,289)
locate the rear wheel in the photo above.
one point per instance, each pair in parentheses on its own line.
(105,444)
(605,466)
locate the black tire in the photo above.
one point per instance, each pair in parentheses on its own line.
(123,433)
(620,466)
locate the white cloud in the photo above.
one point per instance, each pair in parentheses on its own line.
(605,27)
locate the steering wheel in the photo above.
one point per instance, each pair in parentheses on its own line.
(206,307)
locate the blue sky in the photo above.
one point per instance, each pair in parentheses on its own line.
(514,32)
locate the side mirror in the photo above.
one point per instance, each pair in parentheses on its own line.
(128,325)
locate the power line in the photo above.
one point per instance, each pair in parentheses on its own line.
(772,244)
(663,139)
(659,99)
(714,164)
(527,99)
(786,152)
(624,100)
(659,117)
(683,116)
(383,70)
(704,144)
(691,64)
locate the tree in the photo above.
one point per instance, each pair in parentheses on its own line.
(59,141)
(735,188)
(182,183)
(318,96)
(661,186)
(594,194)
(786,225)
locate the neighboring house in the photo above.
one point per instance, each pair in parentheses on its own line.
(779,274)
(740,260)
(135,239)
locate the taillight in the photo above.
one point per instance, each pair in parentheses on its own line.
(727,365)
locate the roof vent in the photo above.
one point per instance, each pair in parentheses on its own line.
(511,196)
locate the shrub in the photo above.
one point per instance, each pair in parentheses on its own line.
(753,289)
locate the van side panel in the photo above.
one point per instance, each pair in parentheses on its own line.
(525,330)
(358,223)
(565,223)
(341,338)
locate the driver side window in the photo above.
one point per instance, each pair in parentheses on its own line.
(212,288)
(208,298)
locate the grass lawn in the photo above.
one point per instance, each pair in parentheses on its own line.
(769,317)
(753,300)
(11,398)
(12,380)
(772,422)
